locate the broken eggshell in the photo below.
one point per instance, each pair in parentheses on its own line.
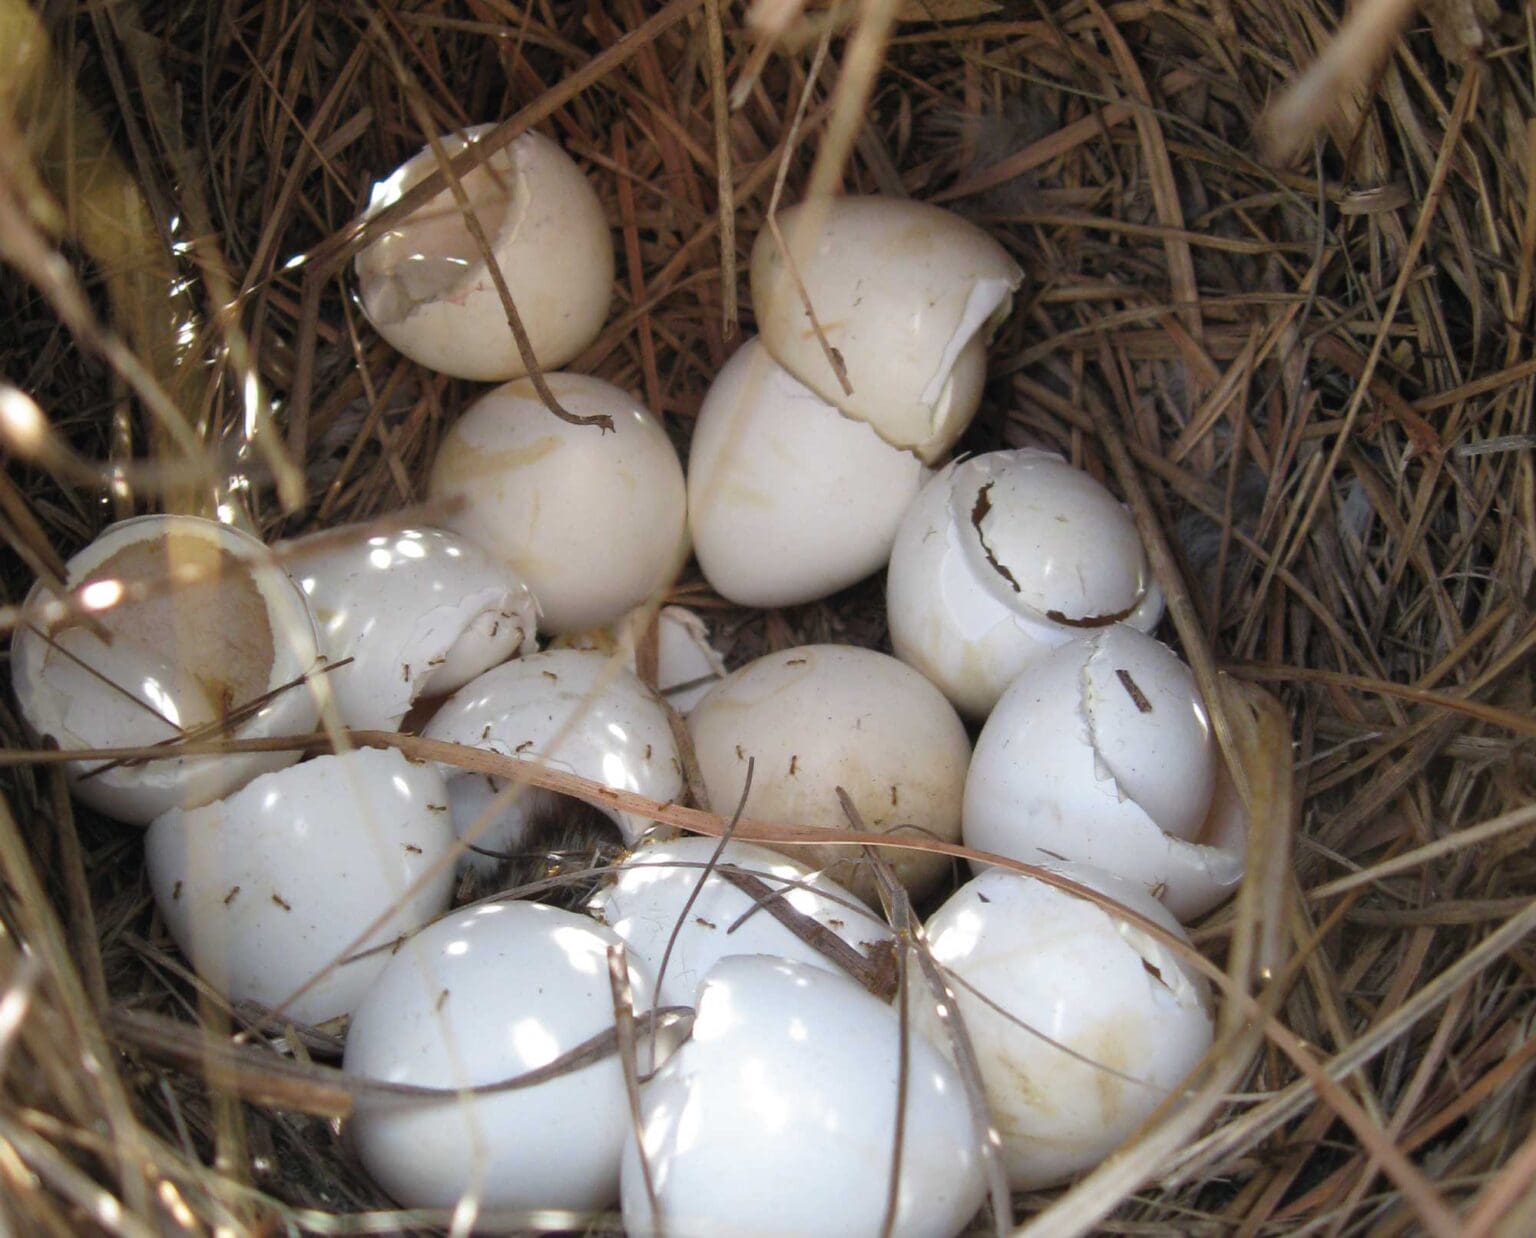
(1101,751)
(687,665)
(201,622)
(1082,1022)
(906,294)
(265,889)
(420,612)
(426,288)
(1003,557)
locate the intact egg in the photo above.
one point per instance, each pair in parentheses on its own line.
(907,295)
(593,520)
(821,717)
(788,499)
(1083,1023)
(488,994)
(1003,557)
(175,625)
(1101,751)
(687,665)
(266,890)
(425,285)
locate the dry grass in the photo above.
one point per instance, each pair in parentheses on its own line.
(1313,380)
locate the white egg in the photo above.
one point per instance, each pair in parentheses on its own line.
(647,903)
(778,1117)
(571,709)
(1101,751)
(480,997)
(1082,1023)
(420,612)
(200,622)
(687,665)
(907,294)
(1003,557)
(425,285)
(822,717)
(594,520)
(265,889)
(788,499)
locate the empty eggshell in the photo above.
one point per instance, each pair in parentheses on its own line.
(265,889)
(1101,751)
(788,499)
(483,996)
(425,285)
(571,709)
(201,622)
(822,717)
(594,521)
(791,1079)
(687,665)
(1003,557)
(907,295)
(1082,1023)
(647,903)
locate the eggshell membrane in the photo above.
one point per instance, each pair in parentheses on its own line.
(570,709)
(1102,1020)
(826,716)
(907,294)
(647,903)
(418,611)
(687,665)
(203,620)
(427,290)
(265,889)
(791,1079)
(595,522)
(788,499)
(484,995)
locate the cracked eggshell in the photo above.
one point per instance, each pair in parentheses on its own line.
(826,716)
(1101,751)
(1003,557)
(571,709)
(908,295)
(648,898)
(788,499)
(426,289)
(482,996)
(1102,1019)
(420,612)
(201,620)
(792,1076)
(687,665)
(594,521)
(265,889)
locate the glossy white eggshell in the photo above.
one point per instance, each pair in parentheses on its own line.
(644,902)
(184,652)
(777,1117)
(265,889)
(788,499)
(909,296)
(426,288)
(1102,1020)
(482,996)
(594,521)
(821,717)
(687,665)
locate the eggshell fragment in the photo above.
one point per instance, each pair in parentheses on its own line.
(1082,1023)
(647,903)
(201,622)
(425,285)
(687,665)
(265,889)
(594,521)
(778,1117)
(1003,557)
(822,717)
(908,295)
(788,499)
(481,997)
